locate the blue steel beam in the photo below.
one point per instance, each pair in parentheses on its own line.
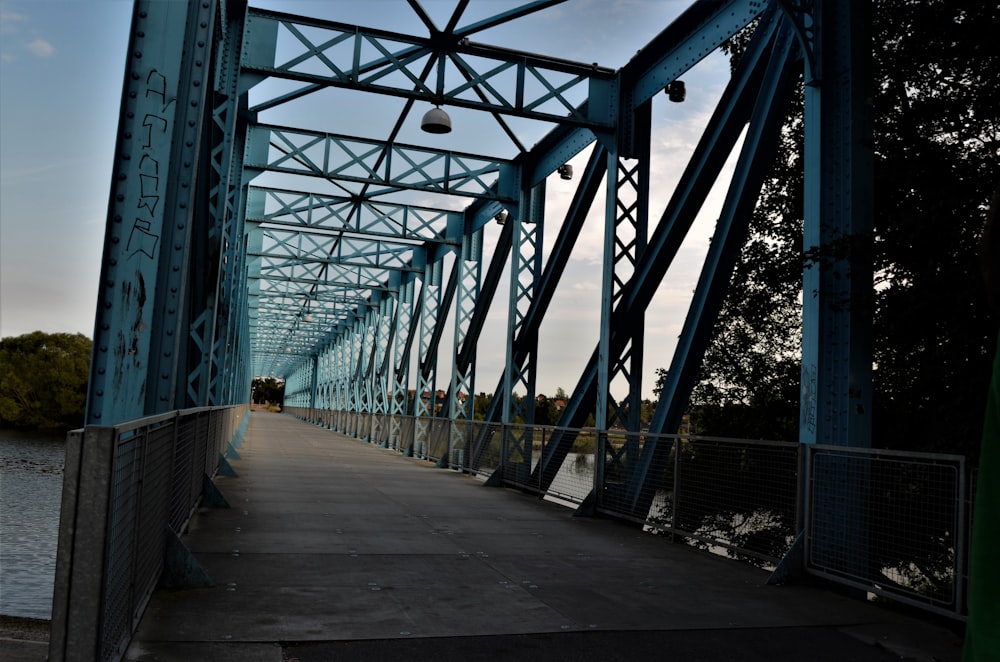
(220,374)
(590,183)
(837,300)
(715,146)
(754,163)
(369,162)
(467,72)
(701,29)
(139,336)
(520,370)
(363,217)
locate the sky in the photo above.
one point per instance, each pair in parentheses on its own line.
(61,70)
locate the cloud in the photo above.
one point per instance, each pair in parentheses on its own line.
(40,47)
(9,21)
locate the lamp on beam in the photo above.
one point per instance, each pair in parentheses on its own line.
(675,91)
(565,171)
(436,121)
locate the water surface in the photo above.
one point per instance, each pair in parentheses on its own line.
(31,474)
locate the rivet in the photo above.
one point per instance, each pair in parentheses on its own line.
(138,54)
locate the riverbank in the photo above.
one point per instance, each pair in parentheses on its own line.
(23,639)
(24,629)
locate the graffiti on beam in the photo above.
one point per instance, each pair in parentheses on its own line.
(144,236)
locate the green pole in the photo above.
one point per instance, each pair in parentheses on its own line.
(982,633)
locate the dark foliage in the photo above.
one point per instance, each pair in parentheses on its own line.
(937,143)
(43,380)
(268,391)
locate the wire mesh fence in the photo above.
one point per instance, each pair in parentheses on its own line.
(891,523)
(734,497)
(125,487)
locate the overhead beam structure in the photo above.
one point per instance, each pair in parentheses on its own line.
(241,243)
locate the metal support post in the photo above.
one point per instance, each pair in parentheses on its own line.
(521,365)
(625,239)
(463,376)
(838,290)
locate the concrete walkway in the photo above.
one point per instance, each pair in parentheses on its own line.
(334,549)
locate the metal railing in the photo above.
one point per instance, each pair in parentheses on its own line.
(891,523)
(735,497)
(894,524)
(125,489)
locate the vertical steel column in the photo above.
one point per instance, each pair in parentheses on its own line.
(430,310)
(838,283)
(380,378)
(139,337)
(313,385)
(401,359)
(340,371)
(525,270)
(225,204)
(370,350)
(625,238)
(463,378)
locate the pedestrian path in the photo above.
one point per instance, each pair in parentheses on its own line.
(337,549)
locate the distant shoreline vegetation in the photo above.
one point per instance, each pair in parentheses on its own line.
(43,381)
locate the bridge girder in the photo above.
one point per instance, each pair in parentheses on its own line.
(217,269)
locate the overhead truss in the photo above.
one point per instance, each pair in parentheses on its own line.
(344,264)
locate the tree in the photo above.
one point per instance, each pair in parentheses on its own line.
(267,391)
(43,380)
(937,141)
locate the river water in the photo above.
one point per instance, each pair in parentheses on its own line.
(31,474)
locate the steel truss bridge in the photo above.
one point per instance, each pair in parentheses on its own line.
(361,275)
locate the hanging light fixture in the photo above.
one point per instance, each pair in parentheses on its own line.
(501,217)
(436,121)
(676,91)
(565,171)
